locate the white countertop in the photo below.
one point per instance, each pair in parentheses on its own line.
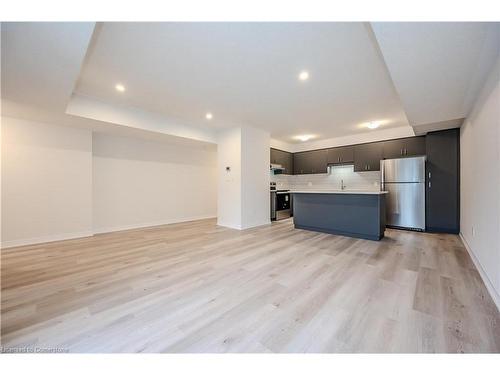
(338,192)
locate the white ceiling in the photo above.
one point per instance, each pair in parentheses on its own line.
(438,67)
(41,61)
(424,74)
(246,74)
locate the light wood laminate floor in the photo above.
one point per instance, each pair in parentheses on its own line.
(196,287)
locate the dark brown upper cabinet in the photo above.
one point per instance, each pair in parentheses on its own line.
(285,159)
(367,157)
(404,147)
(340,155)
(310,162)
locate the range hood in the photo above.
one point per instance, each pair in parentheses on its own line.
(276,167)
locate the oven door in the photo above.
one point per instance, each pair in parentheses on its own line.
(282,201)
(283,206)
(273,205)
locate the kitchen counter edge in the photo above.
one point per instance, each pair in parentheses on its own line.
(338,192)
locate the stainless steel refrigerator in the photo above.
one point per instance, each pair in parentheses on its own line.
(404,179)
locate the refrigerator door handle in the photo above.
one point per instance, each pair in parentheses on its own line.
(382,175)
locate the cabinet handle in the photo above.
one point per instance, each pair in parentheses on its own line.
(401,151)
(429,174)
(429,184)
(406,151)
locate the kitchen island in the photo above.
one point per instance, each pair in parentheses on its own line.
(352,213)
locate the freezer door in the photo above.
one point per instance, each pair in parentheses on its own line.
(405,205)
(403,170)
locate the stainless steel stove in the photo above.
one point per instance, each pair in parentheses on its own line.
(281,203)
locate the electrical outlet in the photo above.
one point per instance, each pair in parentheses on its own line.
(309,183)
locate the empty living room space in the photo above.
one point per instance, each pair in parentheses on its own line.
(251,186)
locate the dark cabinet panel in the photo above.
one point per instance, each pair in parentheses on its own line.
(285,159)
(299,163)
(443,181)
(340,155)
(289,164)
(319,163)
(309,162)
(278,156)
(393,149)
(415,146)
(274,156)
(405,147)
(367,157)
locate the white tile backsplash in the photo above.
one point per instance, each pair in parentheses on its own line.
(331,180)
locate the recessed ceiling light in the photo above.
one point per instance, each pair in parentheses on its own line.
(373,125)
(304,137)
(304,75)
(209,116)
(119,87)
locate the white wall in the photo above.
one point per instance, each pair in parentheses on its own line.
(63,182)
(480,183)
(255,158)
(332,180)
(229,181)
(243,191)
(140,182)
(46,182)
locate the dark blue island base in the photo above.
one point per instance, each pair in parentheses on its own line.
(346,214)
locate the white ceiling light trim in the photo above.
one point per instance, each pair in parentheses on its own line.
(304,137)
(304,75)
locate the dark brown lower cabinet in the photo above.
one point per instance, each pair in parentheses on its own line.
(443,181)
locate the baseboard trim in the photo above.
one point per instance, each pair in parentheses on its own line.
(255,225)
(489,285)
(231,226)
(150,224)
(72,236)
(45,239)
(241,227)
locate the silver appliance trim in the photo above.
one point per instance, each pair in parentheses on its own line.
(283,214)
(273,205)
(403,170)
(404,179)
(405,205)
